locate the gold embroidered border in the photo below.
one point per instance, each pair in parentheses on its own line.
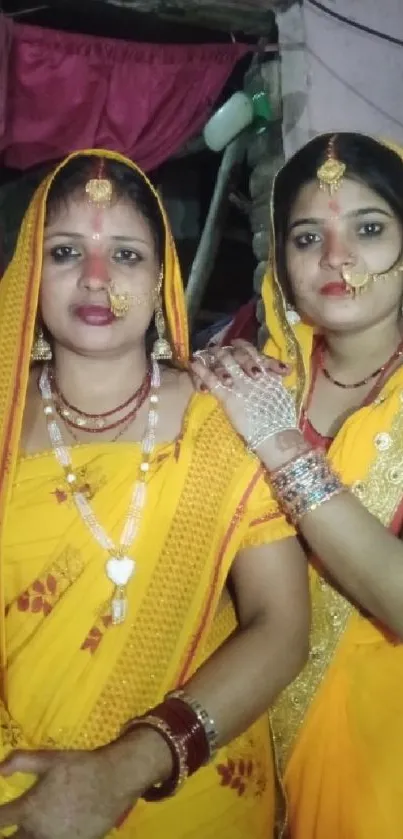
(381,493)
(279,304)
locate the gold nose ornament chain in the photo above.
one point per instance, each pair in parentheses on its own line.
(330,175)
(99,191)
(119,303)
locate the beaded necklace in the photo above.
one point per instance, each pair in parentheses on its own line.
(119,566)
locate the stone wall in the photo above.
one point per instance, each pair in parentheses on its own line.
(265,157)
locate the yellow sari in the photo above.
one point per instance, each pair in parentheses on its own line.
(69,678)
(338,728)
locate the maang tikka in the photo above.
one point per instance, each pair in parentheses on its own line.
(330,174)
(99,189)
(162,350)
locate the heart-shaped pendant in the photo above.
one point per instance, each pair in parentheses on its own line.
(119,570)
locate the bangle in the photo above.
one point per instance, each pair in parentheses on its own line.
(178,752)
(185,735)
(204,718)
(185,722)
(305,483)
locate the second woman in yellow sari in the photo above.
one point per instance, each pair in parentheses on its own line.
(333,299)
(119,548)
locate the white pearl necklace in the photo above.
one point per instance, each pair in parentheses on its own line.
(119,567)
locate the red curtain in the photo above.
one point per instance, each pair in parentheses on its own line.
(68,91)
(6,28)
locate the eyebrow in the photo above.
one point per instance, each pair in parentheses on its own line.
(365,211)
(70,235)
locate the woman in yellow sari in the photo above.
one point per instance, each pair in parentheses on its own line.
(333,299)
(127,506)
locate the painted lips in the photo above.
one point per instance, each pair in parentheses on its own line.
(94,315)
(335,290)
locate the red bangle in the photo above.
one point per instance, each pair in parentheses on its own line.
(178,753)
(185,737)
(184,723)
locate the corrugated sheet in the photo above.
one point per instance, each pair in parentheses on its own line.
(250,16)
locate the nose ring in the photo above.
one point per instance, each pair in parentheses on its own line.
(119,303)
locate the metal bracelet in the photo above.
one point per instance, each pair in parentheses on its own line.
(203,716)
(305,483)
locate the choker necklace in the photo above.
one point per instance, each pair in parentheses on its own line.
(119,565)
(97,423)
(397,353)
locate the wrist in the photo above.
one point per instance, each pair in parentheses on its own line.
(143,759)
(304,483)
(278,450)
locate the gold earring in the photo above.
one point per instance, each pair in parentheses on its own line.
(41,350)
(162,350)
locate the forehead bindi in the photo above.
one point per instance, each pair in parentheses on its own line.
(334,206)
(351,197)
(119,221)
(97,223)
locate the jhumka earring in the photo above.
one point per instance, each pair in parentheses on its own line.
(330,174)
(162,350)
(41,349)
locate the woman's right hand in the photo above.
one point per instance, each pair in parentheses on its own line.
(84,793)
(249,386)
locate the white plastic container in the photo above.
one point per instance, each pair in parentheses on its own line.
(232,118)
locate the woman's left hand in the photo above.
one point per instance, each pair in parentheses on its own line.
(77,795)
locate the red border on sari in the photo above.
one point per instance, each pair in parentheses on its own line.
(191,652)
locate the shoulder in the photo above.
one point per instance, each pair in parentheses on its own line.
(176,382)
(205,418)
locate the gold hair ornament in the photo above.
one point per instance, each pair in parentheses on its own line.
(99,189)
(330,174)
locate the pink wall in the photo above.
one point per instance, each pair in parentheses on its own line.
(338,78)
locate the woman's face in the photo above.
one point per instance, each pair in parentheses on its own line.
(354,229)
(86,249)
